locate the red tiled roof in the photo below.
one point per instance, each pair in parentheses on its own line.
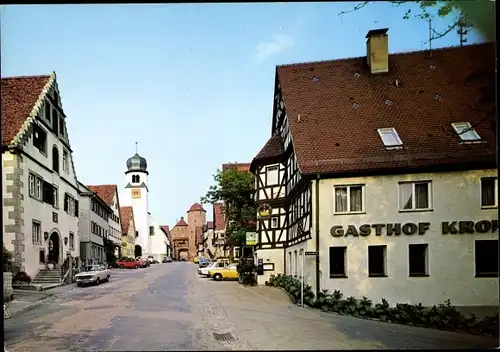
(334,109)
(18,98)
(166,230)
(196,207)
(126,215)
(210,225)
(181,222)
(237,166)
(219,217)
(106,192)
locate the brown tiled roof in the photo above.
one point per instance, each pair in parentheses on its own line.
(272,149)
(196,207)
(18,98)
(334,109)
(181,222)
(219,217)
(237,166)
(106,192)
(210,225)
(126,215)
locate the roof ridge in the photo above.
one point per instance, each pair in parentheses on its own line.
(401,53)
(27,76)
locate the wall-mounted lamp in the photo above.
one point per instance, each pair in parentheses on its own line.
(65,240)
(46,236)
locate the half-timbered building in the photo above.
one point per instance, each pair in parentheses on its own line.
(379,178)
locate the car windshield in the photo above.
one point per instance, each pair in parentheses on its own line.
(92,268)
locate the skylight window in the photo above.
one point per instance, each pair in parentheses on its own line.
(466,132)
(390,137)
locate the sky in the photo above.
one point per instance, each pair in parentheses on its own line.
(193,84)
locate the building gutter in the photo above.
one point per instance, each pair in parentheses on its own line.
(316,220)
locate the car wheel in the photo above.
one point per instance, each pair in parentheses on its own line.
(97,282)
(217,277)
(135,267)
(121,266)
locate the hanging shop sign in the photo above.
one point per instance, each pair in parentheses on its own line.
(264,210)
(251,238)
(409,228)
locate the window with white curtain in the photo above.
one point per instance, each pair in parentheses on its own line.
(415,195)
(349,199)
(272,175)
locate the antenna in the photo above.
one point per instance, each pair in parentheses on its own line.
(430,37)
(136,147)
(461,29)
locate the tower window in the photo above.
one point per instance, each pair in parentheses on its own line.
(136,179)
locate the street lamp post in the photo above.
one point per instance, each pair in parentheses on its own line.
(302,278)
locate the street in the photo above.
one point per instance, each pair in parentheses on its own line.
(168,307)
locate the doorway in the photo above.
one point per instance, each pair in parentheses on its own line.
(54,248)
(138,251)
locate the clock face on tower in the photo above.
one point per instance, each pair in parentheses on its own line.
(136,193)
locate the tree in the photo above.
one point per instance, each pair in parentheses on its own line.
(109,248)
(463,14)
(7,260)
(234,188)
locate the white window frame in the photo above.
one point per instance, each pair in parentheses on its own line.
(392,130)
(495,192)
(71,241)
(65,161)
(36,238)
(413,201)
(459,127)
(363,199)
(35,186)
(270,170)
(56,197)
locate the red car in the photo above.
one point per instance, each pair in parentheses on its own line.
(128,263)
(143,262)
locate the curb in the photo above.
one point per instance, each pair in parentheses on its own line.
(30,306)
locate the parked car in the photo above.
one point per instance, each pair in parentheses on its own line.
(129,263)
(143,262)
(206,270)
(93,274)
(167,260)
(196,260)
(228,272)
(204,263)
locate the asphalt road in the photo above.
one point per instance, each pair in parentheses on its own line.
(168,307)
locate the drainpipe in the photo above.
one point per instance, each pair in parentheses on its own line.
(317,234)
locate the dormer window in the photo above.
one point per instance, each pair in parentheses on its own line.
(465,131)
(136,179)
(390,138)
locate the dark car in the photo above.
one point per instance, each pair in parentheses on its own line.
(167,260)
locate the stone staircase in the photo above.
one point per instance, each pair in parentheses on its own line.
(48,276)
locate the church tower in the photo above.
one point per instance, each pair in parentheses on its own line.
(137,194)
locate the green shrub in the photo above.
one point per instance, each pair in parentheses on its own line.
(444,317)
(21,277)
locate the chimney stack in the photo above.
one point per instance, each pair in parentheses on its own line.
(377,50)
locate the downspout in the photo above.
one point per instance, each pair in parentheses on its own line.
(317,234)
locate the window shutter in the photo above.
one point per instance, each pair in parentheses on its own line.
(66,202)
(76,207)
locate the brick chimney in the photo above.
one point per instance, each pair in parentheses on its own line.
(377,50)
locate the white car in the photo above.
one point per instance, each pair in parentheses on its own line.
(204,271)
(93,274)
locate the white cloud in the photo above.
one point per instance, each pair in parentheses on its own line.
(279,43)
